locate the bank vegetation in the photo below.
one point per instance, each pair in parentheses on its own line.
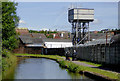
(108,75)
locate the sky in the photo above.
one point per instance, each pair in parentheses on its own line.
(65,0)
(54,15)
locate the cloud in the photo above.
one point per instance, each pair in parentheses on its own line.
(22,22)
(96,21)
(45,29)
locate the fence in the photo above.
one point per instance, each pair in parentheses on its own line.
(99,53)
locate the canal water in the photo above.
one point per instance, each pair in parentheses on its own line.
(41,68)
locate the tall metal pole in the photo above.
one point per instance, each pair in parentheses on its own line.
(106,37)
(77,27)
(88,32)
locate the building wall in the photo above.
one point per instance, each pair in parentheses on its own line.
(58,44)
(54,51)
(33,50)
(20,49)
(30,50)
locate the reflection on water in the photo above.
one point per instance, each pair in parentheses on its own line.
(41,68)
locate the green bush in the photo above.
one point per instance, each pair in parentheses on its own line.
(71,66)
(5,53)
(74,68)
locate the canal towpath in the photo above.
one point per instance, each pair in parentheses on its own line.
(92,66)
(80,63)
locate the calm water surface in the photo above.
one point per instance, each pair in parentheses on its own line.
(41,68)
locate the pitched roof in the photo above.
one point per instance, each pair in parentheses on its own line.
(38,35)
(26,35)
(57,40)
(98,41)
(100,35)
(30,40)
(115,38)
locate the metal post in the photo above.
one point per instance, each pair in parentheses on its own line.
(83,32)
(88,32)
(106,37)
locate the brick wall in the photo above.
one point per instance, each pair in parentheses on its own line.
(30,50)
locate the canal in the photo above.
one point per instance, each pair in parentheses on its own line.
(41,68)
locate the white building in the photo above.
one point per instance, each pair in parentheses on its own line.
(57,43)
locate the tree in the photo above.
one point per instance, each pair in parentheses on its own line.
(9,23)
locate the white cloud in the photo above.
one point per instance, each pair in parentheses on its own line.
(22,22)
(45,29)
(96,21)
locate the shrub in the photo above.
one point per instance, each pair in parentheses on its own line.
(74,68)
(8,59)
(5,53)
(63,63)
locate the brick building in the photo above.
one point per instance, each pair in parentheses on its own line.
(22,31)
(30,45)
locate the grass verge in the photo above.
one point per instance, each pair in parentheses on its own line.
(74,67)
(0,67)
(8,60)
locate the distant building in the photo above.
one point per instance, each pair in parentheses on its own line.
(60,35)
(95,31)
(64,34)
(22,30)
(38,35)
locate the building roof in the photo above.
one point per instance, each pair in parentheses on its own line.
(25,35)
(30,40)
(98,41)
(38,35)
(95,42)
(115,38)
(57,40)
(82,8)
(100,35)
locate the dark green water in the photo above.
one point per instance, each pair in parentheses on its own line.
(41,68)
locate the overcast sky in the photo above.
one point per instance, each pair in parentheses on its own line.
(53,15)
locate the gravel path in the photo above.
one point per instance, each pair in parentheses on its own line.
(80,63)
(84,64)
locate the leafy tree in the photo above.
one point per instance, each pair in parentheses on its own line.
(50,36)
(9,23)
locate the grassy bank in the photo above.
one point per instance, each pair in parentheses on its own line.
(0,67)
(74,67)
(8,60)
